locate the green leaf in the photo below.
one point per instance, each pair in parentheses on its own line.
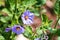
(6,11)
(1,37)
(35,11)
(3,20)
(28,3)
(28,32)
(39,32)
(56,7)
(53,30)
(59,38)
(41,2)
(28,29)
(59,21)
(2,3)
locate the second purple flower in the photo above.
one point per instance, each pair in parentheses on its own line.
(27,17)
(16,29)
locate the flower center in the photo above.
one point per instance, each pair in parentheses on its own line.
(26,17)
(17,28)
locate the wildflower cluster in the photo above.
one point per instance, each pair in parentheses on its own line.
(27,18)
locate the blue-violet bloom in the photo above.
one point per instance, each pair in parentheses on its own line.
(17,29)
(27,17)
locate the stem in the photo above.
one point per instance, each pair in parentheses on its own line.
(12,36)
(17,21)
(16,11)
(58,17)
(57,22)
(15,6)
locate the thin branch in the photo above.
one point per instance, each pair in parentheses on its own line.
(57,22)
(15,6)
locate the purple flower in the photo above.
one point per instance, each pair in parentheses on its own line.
(17,29)
(7,29)
(27,17)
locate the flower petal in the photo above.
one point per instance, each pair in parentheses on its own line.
(7,29)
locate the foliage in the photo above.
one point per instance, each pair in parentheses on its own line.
(10,15)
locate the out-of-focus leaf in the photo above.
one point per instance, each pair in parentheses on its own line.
(53,30)
(5,19)
(7,12)
(28,29)
(2,2)
(44,18)
(28,32)
(1,37)
(59,22)
(35,11)
(11,2)
(59,38)
(39,31)
(40,2)
(56,7)
(28,3)
(12,8)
